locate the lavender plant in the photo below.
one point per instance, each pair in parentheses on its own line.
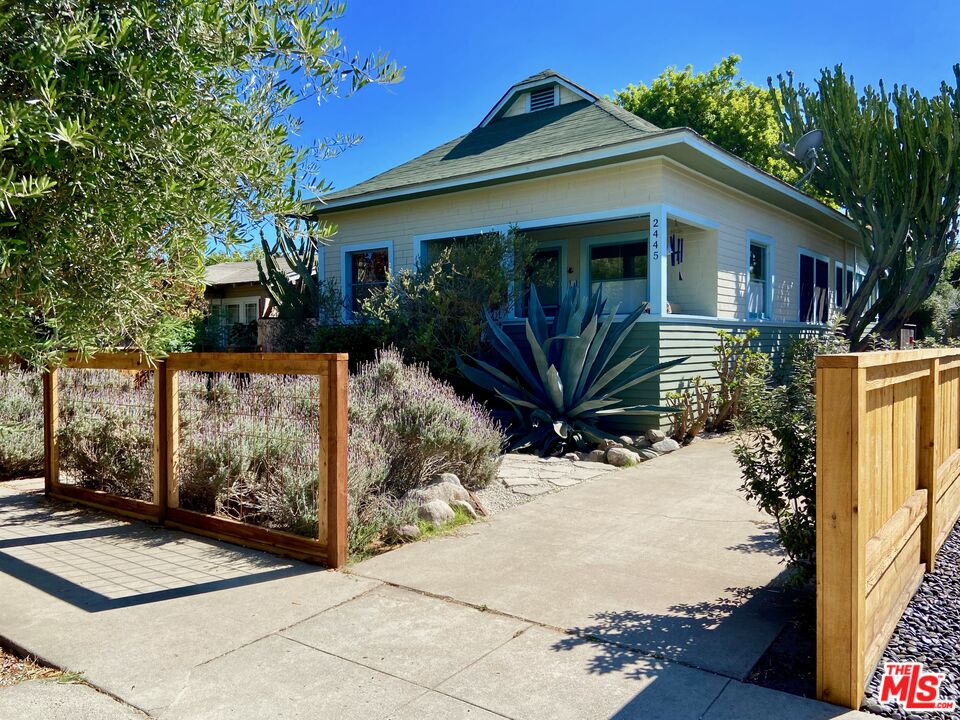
(21,424)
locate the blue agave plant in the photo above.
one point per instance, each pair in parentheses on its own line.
(567,385)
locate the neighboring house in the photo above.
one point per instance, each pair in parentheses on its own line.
(608,197)
(236,301)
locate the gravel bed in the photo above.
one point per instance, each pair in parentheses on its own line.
(929,633)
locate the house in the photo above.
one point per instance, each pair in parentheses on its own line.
(658,216)
(236,301)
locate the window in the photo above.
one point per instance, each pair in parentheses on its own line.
(367,271)
(250,312)
(232,315)
(843,284)
(622,269)
(814,288)
(542,99)
(759,288)
(546,272)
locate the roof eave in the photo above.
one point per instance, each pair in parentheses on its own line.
(680,144)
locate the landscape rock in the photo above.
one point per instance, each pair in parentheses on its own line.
(403,534)
(627,441)
(447,477)
(648,454)
(655,436)
(466,507)
(641,442)
(606,444)
(667,445)
(571,456)
(621,457)
(444,490)
(594,456)
(436,512)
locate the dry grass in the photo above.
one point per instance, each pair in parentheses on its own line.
(15,670)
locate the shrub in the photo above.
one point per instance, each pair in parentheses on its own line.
(21,424)
(362,340)
(565,388)
(434,313)
(106,431)
(736,364)
(776,448)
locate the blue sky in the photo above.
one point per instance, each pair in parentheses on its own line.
(460,56)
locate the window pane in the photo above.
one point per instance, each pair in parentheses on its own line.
(433,248)
(758,270)
(368,270)
(806,310)
(839,286)
(233,314)
(622,269)
(251,312)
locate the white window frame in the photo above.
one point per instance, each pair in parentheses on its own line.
(349,249)
(816,256)
(545,245)
(755,238)
(587,243)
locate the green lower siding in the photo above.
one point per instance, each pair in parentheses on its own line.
(693,339)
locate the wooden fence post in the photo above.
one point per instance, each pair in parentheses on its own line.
(929,462)
(51,426)
(841,541)
(160,464)
(332,486)
(171,433)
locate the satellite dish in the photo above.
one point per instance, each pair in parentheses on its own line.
(805,152)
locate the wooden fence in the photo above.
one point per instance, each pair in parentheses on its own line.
(888,459)
(330,545)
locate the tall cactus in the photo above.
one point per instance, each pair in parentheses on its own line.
(297,243)
(891,160)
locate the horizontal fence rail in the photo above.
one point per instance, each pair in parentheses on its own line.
(329,545)
(888,494)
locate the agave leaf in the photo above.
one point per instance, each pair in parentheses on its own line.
(647,373)
(590,405)
(595,434)
(555,387)
(571,368)
(563,312)
(595,346)
(536,317)
(510,352)
(640,410)
(516,400)
(561,428)
(535,437)
(539,357)
(615,338)
(611,375)
(484,378)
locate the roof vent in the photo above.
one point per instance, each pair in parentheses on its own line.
(542,99)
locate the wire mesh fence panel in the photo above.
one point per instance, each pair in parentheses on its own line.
(248,448)
(106,431)
(21,422)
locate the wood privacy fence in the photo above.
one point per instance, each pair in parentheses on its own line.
(330,544)
(888,494)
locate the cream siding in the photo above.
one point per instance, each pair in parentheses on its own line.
(602,189)
(737,215)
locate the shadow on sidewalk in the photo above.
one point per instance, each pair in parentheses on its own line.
(97,562)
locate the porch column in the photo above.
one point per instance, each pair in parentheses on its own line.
(657,256)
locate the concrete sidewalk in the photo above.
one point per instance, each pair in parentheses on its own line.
(642,594)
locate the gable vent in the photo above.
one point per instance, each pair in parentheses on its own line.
(542,99)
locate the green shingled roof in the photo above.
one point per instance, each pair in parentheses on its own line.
(506,142)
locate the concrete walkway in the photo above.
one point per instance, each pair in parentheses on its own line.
(647,593)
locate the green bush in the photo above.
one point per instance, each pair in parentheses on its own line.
(21,424)
(776,448)
(361,340)
(106,431)
(434,313)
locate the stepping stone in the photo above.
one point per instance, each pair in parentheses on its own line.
(511,482)
(564,481)
(531,490)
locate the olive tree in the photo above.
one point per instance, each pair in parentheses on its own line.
(132,132)
(891,161)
